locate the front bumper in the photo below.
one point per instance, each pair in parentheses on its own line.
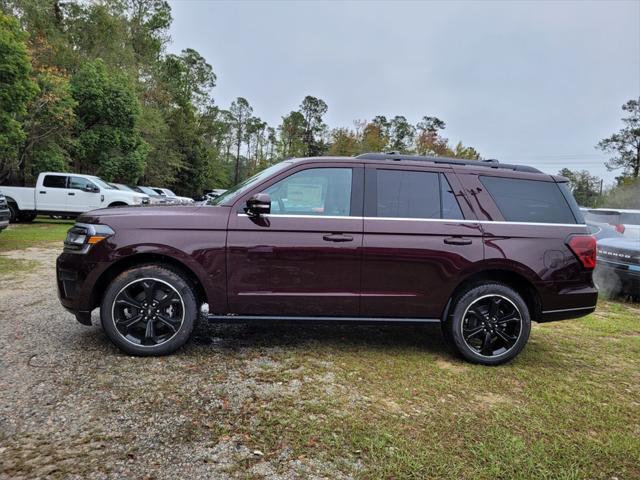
(4,218)
(627,274)
(76,278)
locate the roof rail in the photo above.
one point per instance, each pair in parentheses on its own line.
(488,163)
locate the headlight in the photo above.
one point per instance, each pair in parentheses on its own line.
(145,201)
(82,236)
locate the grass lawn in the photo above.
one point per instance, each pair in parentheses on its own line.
(40,232)
(568,407)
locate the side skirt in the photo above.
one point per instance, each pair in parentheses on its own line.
(234,318)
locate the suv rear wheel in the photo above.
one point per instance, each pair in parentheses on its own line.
(490,324)
(149,310)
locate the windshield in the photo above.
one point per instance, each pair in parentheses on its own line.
(239,189)
(169,192)
(102,184)
(120,186)
(147,190)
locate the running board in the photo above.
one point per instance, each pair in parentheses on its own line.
(233,318)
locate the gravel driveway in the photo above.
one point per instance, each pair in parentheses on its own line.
(73,406)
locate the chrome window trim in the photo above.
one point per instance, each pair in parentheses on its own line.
(490,222)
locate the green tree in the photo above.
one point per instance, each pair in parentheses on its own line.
(313,109)
(240,113)
(16,90)
(48,124)
(344,142)
(292,131)
(584,186)
(625,145)
(401,134)
(108,139)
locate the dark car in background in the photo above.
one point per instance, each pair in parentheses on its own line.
(618,271)
(5,213)
(481,248)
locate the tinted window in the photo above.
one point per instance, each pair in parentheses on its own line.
(450,207)
(408,194)
(55,181)
(529,200)
(630,218)
(79,183)
(317,191)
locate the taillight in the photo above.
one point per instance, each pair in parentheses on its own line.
(584,247)
(620,228)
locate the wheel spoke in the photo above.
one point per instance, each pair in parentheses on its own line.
(168,322)
(512,318)
(472,332)
(494,306)
(149,289)
(150,332)
(485,349)
(126,299)
(507,339)
(130,322)
(168,299)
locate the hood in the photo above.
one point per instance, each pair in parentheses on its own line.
(166,217)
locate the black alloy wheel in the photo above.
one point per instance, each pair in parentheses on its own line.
(149,310)
(489,324)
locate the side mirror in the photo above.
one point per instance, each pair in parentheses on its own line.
(258,204)
(91,188)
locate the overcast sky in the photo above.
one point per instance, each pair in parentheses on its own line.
(526,82)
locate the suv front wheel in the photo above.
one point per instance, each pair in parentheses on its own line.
(149,310)
(489,325)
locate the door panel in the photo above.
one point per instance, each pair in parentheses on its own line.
(411,265)
(52,194)
(79,199)
(305,258)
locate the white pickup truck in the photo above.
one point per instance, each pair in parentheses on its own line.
(66,194)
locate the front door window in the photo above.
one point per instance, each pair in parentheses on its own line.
(316,191)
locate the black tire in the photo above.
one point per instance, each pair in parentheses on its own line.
(489,324)
(117,204)
(27,217)
(14,212)
(177,317)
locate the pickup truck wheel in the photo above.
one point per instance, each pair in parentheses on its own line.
(14,212)
(117,204)
(149,311)
(490,324)
(27,217)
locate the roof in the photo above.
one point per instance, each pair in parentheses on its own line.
(440,161)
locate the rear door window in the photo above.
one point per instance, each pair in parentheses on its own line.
(414,194)
(55,181)
(408,194)
(535,201)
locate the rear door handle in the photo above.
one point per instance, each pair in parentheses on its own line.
(42,192)
(337,237)
(71,193)
(457,241)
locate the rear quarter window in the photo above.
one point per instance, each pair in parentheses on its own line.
(522,200)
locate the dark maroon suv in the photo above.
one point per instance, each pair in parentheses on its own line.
(480,247)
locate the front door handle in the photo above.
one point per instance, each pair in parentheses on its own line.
(72,193)
(337,237)
(42,192)
(457,241)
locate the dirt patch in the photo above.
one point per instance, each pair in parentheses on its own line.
(489,400)
(451,366)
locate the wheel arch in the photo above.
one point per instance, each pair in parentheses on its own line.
(517,281)
(117,203)
(146,258)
